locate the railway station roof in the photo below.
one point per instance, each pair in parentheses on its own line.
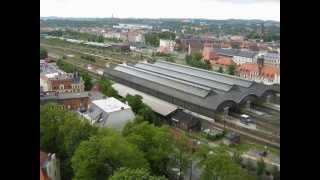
(192,85)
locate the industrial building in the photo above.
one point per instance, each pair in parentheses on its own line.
(201,92)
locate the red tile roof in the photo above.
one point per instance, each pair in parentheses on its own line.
(225,61)
(266,71)
(249,67)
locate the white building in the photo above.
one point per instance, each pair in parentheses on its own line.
(271,58)
(49,166)
(166,45)
(238,56)
(244,57)
(109,112)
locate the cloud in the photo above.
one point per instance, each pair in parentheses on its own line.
(243,1)
(209,9)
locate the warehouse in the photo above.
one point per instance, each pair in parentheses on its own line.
(200,91)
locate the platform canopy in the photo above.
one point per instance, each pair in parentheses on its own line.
(157,105)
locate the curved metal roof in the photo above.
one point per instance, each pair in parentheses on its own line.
(170,82)
(183,76)
(184,86)
(211,75)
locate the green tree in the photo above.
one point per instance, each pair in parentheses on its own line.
(101,155)
(67,67)
(155,142)
(107,88)
(147,114)
(195,60)
(43,53)
(135,102)
(183,153)
(87,81)
(134,174)
(220,70)
(218,164)
(197,56)
(61,132)
(261,167)
(276,173)
(231,69)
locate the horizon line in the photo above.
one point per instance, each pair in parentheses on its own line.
(62,17)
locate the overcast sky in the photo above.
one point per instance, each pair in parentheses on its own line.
(208,9)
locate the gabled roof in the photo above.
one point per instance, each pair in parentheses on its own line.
(236,52)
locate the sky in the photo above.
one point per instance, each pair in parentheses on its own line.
(207,9)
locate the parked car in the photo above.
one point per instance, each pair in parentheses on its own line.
(246,119)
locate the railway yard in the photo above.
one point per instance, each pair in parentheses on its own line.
(265,131)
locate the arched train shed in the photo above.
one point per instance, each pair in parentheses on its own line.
(200,91)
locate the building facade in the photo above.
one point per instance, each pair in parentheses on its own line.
(69,82)
(72,101)
(166,46)
(109,112)
(49,166)
(208,52)
(266,74)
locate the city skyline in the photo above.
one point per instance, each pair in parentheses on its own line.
(187,9)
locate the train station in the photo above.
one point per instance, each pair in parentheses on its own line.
(206,93)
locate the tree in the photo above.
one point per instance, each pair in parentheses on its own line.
(218,164)
(276,173)
(261,167)
(43,53)
(135,102)
(61,132)
(220,70)
(134,174)
(147,114)
(87,81)
(101,155)
(69,68)
(155,142)
(183,153)
(231,69)
(195,60)
(197,56)
(107,88)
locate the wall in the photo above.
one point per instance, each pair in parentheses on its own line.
(75,104)
(119,119)
(53,169)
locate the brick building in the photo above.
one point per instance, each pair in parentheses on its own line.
(224,62)
(67,82)
(208,52)
(266,74)
(72,101)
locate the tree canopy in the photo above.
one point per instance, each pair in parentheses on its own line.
(155,142)
(87,81)
(101,155)
(61,131)
(153,38)
(43,53)
(195,60)
(218,164)
(231,69)
(134,174)
(141,109)
(107,88)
